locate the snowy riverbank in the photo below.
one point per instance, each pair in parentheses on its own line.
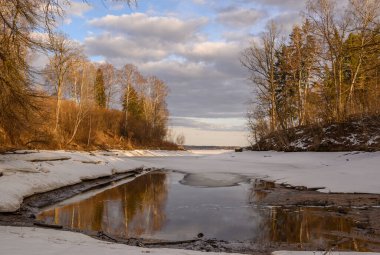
(36,172)
(36,241)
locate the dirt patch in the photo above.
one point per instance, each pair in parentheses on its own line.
(271,194)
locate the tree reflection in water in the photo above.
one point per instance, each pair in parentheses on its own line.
(158,206)
(129,210)
(320,226)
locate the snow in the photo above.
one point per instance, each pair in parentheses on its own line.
(300,144)
(373,140)
(26,174)
(36,241)
(353,139)
(321,253)
(336,171)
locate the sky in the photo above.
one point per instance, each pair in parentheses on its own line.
(192,45)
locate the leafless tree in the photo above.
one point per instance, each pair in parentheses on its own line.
(64,57)
(260,60)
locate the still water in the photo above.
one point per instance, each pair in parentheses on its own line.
(158,206)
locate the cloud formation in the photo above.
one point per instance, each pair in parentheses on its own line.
(239,17)
(204,77)
(196,55)
(168,29)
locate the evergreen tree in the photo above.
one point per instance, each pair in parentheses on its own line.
(100,94)
(132,103)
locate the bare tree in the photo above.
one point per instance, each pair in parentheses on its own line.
(180,140)
(18,21)
(63,59)
(331,26)
(83,76)
(260,60)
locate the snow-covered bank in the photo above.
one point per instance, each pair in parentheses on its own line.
(36,241)
(27,174)
(33,241)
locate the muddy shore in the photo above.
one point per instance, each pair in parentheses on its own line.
(362,211)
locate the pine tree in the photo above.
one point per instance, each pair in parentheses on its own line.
(100,94)
(132,103)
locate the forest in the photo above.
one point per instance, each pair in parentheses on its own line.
(73,102)
(327,70)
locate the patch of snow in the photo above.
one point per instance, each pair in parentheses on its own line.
(373,140)
(329,140)
(208,152)
(326,130)
(353,139)
(36,241)
(336,171)
(300,144)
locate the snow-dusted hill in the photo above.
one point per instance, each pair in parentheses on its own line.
(357,134)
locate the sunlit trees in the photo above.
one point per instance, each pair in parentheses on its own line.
(80,103)
(19,21)
(327,70)
(155,112)
(130,79)
(260,60)
(144,102)
(62,60)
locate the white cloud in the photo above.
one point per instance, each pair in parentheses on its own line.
(140,24)
(78,8)
(111,46)
(239,17)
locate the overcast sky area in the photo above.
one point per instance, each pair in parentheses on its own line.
(193,45)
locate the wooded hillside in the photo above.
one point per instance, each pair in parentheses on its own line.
(326,71)
(73,102)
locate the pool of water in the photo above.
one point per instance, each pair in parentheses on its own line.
(163,206)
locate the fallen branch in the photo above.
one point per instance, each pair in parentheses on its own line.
(49,159)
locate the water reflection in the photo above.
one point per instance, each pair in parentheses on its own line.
(158,206)
(260,189)
(132,209)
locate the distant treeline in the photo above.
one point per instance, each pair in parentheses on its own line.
(73,102)
(327,70)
